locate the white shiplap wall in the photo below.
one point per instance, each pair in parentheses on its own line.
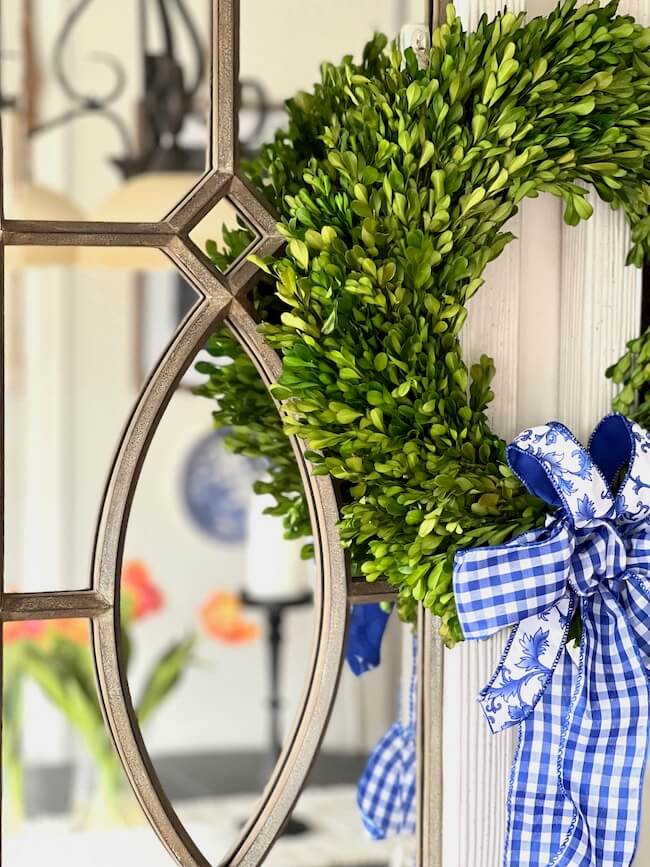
(601,301)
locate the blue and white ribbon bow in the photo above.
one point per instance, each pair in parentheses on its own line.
(576,782)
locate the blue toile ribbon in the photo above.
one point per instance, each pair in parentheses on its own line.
(577,776)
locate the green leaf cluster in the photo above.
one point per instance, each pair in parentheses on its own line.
(632,373)
(393,204)
(246,409)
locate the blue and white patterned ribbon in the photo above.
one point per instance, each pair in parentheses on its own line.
(577,776)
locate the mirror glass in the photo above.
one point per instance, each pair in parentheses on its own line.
(219,615)
(224,236)
(81,339)
(65,798)
(216,593)
(365,707)
(104,107)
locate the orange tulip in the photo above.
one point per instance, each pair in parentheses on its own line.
(143,597)
(17,630)
(222,619)
(74,630)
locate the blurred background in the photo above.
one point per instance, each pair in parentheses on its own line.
(104,107)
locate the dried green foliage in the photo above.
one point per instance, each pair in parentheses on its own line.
(390,221)
(256,427)
(632,373)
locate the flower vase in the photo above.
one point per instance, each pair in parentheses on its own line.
(14,789)
(101,796)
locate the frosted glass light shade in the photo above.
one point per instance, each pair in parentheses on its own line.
(34,202)
(144,198)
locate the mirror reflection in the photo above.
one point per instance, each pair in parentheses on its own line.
(81,341)
(229,586)
(104,107)
(63,785)
(218,624)
(66,797)
(217,613)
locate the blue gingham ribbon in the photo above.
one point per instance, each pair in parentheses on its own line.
(577,776)
(386,790)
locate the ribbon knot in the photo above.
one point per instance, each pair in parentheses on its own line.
(599,557)
(578,770)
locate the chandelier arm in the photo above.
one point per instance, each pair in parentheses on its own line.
(168,33)
(199,51)
(60,46)
(74,114)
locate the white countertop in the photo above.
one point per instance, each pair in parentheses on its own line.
(337,838)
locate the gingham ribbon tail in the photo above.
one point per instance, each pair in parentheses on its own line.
(577,776)
(386,790)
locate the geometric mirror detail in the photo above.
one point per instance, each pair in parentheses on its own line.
(218,284)
(218,298)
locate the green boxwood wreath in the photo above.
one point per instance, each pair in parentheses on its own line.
(394,184)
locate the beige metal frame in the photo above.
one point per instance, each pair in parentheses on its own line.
(222,299)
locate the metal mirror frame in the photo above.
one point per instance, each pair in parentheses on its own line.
(221,299)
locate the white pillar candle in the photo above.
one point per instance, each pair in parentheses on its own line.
(274,569)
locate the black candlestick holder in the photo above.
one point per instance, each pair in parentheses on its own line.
(274,611)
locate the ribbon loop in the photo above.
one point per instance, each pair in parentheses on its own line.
(618,444)
(555,467)
(578,772)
